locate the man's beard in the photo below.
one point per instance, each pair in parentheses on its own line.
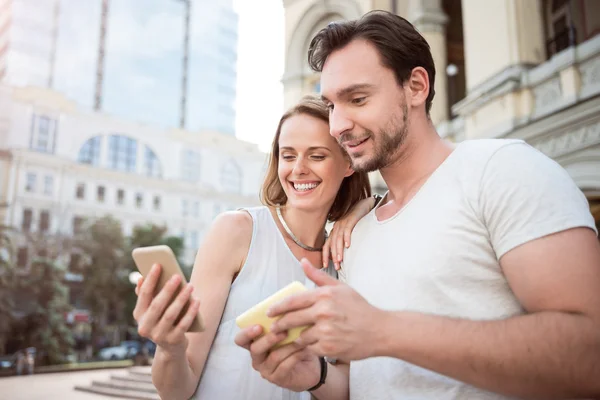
(386,144)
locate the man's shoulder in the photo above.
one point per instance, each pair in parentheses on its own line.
(477,157)
(484,149)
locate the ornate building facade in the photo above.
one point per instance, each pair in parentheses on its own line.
(504,68)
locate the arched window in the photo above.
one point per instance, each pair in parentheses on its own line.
(190,166)
(122,153)
(231,177)
(90,151)
(151,163)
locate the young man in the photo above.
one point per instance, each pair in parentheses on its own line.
(477,276)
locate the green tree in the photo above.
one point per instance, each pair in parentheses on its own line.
(7,277)
(45,302)
(34,299)
(152,235)
(105,275)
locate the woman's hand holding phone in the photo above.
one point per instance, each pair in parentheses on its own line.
(158,315)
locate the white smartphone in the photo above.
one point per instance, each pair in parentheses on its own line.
(146,257)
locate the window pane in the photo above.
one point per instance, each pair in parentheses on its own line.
(30,182)
(151,164)
(80,191)
(44,221)
(190,166)
(101,193)
(231,177)
(48,184)
(27,218)
(120,196)
(90,151)
(122,153)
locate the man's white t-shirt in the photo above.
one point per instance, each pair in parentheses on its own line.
(439,254)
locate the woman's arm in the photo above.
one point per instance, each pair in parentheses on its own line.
(176,371)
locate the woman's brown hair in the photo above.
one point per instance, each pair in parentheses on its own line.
(353,188)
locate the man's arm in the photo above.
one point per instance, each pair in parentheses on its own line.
(553,352)
(541,229)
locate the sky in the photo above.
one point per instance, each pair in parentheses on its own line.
(260,68)
(143,64)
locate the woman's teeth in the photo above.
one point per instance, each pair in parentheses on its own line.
(305,186)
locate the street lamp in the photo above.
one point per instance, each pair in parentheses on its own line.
(134,277)
(451,71)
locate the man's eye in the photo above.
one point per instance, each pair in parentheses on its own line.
(358,100)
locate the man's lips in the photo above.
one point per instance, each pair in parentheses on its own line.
(355,142)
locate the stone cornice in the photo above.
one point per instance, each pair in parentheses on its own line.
(570,141)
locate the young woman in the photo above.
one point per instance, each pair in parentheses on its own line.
(248,255)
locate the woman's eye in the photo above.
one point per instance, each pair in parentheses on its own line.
(287,157)
(318,158)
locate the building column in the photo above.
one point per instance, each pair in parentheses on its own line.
(500,34)
(429,19)
(502,39)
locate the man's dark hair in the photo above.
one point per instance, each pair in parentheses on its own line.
(400,45)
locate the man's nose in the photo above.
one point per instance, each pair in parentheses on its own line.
(339,123)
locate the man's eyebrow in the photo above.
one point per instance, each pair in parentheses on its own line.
(351,89)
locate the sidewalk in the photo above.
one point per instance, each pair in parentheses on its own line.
(55,386)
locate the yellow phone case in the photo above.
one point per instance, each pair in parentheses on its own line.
(257,315)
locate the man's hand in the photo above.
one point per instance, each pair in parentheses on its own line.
(344,325)
(291,366)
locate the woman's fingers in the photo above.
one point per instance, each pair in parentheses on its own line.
(138,285)
(187,320)
(160,303)
(167,321)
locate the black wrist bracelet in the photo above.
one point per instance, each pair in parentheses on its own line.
(377,199)
(323,374)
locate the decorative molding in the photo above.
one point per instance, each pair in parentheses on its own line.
(454,129)
(547,96)
(430,20)
(505,81)
(569,141)
(590,73)
(523,76)
(304,26)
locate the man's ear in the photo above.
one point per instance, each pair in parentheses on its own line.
(418,85)
(349,172)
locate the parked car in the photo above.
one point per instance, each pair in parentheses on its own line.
(125,350)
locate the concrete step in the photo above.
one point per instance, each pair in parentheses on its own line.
(145,371)
(135,384)
(132,378)
(127,385)
(119,393)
